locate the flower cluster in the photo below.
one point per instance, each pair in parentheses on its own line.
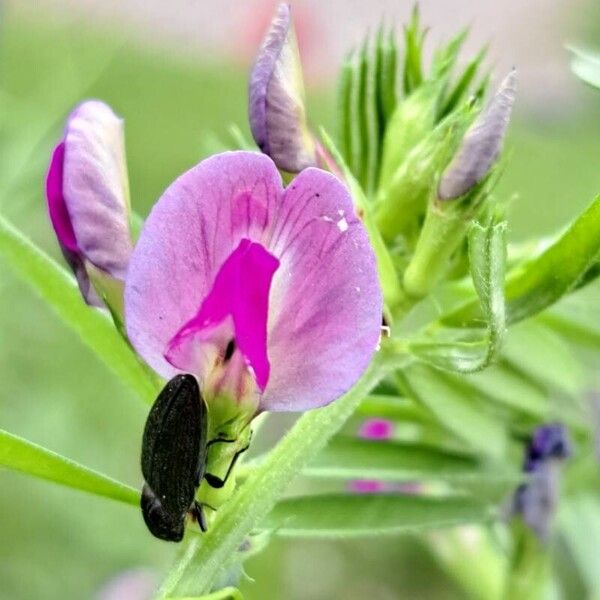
(536,500)
(268,295)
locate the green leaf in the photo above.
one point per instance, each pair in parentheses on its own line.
(586,66)
(414,38)
(343,515)
(387,95)
(458,93)
(576,318)
(344,103)
(487,257)
(29,458)
(537,284)
(507,387)
(56,287)
(366,96)
(579,522)
(457,407)
(373,126)
(353,458)
(533,349)
(445,57)
(356,112)
(394,408)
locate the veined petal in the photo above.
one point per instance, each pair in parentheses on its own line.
(276,98)
(324,302)
(95,186)
(88,199)
(191,231)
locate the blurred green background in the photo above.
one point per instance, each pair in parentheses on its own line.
(56,543)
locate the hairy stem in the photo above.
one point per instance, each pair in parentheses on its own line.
(201,566)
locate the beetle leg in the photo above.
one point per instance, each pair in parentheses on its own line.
(220,439)
(198,514)
(225,441)
(217,482)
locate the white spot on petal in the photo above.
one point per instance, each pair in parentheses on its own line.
(342,225)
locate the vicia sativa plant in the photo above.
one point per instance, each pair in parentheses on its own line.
(363,279)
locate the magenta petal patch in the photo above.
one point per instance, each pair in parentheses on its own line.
(240,291)
(57,208)
(376,429)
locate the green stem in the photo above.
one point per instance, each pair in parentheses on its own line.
(443,231)
(206,557)
(529,573)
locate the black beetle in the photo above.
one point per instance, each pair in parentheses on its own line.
(174,455)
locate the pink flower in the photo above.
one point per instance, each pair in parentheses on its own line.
(376,429)
(88,199)
(266,294)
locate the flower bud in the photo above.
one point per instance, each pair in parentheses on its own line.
(537,499)
(481,145)
(88,202)
(409,124)
(276,98)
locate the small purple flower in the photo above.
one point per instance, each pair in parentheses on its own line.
(376,429)
(88,198)
(536,500)
(548,442)
(266,294)
(276,98)
(367,486)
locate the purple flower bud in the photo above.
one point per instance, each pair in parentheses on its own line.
(88,198)
(276,98)
(481,145)
(548,442)
(536,500)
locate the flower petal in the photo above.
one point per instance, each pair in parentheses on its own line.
(57,209)
(95,187)
(326,301)
(191,231)
(276,98)
(61,221)
(241,290)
